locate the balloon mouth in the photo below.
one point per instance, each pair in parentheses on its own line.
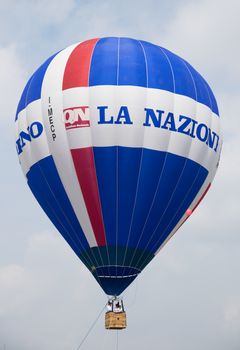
(116,271)
(115,279)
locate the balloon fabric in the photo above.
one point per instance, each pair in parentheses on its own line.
(119,140)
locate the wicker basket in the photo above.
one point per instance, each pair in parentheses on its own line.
(115,320)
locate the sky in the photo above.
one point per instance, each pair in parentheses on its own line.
(189,295)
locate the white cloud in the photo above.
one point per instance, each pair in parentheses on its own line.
(45,295)
(11,282)
(228,106)
(206,34)
(13,78)
(232,314)
(232,319)
(52,11)
(39,11)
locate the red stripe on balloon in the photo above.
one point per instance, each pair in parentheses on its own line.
(85,168)
(77,69)
(202,196)
(199,201)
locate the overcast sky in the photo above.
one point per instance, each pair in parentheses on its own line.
(189,296)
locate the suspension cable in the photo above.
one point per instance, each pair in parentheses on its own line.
(117,341)
(91,327)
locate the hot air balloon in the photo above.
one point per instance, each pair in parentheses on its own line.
(119,140)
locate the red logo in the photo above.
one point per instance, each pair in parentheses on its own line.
(76,117)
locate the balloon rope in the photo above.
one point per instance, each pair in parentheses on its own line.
(117,341)
(91,327)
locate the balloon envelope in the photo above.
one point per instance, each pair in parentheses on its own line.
(119,140)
